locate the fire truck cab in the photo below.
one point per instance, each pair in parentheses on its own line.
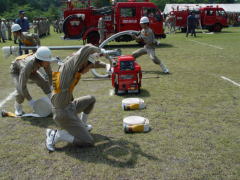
(127,16)
(211,18)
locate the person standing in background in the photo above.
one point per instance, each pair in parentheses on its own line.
(191,24)
(101,29)
(24,24)
(22,21)
(1,36)
(9,25)
(35,28)
(4,29)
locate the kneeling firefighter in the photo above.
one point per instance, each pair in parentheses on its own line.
(69,113)
(26,67)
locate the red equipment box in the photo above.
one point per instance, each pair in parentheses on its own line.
(127,75)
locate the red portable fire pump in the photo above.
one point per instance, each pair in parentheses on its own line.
(81,23)
(211,18)
(127,75)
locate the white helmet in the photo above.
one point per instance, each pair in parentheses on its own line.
(15,27)
(44,54)
(144,20)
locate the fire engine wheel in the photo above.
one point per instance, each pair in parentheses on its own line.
(138,91)
(116,89)
(93,38)
(217,28)
(183,30)
(210,28)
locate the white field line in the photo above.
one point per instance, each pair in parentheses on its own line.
(237,84)
(10,96)
(205,44)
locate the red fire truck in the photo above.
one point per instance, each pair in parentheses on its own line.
(211,18)
(127,75)
(81,23)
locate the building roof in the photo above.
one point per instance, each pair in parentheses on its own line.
(227,7)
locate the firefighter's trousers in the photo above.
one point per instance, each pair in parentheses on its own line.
(151,53)
(36,78)
(69,120)
(102,35)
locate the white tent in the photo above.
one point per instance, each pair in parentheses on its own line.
(229,8)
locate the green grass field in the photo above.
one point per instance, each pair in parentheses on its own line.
(193,112)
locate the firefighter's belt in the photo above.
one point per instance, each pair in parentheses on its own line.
(27,42)
(56,82)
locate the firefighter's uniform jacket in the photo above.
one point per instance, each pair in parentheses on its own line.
(29,39)
(25,67)
(147,36)
(65,107)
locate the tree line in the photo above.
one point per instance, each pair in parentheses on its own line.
(54,8)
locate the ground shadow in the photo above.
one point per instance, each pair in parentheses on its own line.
(43,122)
(145,72)
(226,31)
(114,152)
(143,93)
(162,45)
(123,46)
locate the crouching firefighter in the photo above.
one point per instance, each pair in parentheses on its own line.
(69,113)
(26,67)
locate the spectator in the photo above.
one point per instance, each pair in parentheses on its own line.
(22,21)
(191,24)
(4,29)
(9,24)
(101,29)
(1,35)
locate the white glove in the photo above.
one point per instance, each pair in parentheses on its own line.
(31,103)
(108,69)
(103,51)
(49,95)
(157,43)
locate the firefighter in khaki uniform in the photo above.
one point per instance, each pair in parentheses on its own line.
(25,67)
(25,38)
(101,29)
(69,113)
(147,36)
